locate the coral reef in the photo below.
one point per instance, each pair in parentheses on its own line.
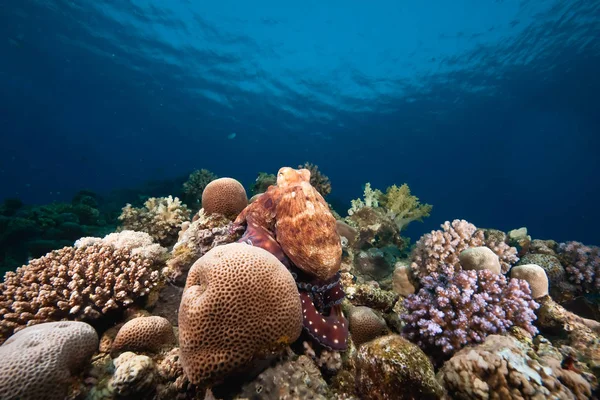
(82,282)
(197,238)
(398,204)
(144,334)
(134,375)
(239,303)
(452,311)
(289,380)
(439,251)
(262,183)
(224,196)
(391,367)
(478,258)
(402,282)
(365,324)
(318,180)
(501,368)
(194,186)
(32,231)
(535,277)
(161,218)
(402,207)
(37,362)
(582,265)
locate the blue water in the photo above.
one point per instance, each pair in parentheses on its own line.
(489,110)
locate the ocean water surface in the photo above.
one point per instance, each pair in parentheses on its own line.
(489,110)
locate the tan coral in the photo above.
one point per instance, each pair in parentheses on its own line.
(365,324)
(161,217)
(224,196)
(239,303)
(535,276)
(37,362)
(134,375)
(82,282)
(501,368)
(144,334)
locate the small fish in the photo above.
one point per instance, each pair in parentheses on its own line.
(232,135)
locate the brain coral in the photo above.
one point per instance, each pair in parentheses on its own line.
(144,333)
(451,312)
(239,302)
(160,217)
(439,251)
(224,196)
(37,362)
(82,282)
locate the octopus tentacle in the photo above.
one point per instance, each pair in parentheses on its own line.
(329,331)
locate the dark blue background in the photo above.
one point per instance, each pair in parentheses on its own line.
(488,110)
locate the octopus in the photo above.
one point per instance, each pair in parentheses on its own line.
(293,222)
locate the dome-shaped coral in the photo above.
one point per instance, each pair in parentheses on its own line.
(224,196)
(144,333)
(36,363)
(365,324)
(239,303)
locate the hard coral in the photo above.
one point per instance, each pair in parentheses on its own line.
(239,303)
(317,179)
(204,233)
(36,363)
(453,311)
(439,251)
(391,367)
(365,324)
(582,264)
(224,196)
(289,380)
(144,334)
(82,282)
(501,368)
(160,217)
(195,185)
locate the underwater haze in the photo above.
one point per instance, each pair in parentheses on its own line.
(489,110)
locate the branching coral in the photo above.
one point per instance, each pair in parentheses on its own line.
(82,282)
(398,204)
(438,251)
(161,217)
(403,207)
(317,179)
(195,185)
(371,199)
(453,311)
(582,264)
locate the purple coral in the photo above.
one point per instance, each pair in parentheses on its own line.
(582,264)
(451,312)
(438,251)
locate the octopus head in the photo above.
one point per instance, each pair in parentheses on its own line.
(287,177)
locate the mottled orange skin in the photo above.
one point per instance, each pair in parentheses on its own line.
(301,222)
